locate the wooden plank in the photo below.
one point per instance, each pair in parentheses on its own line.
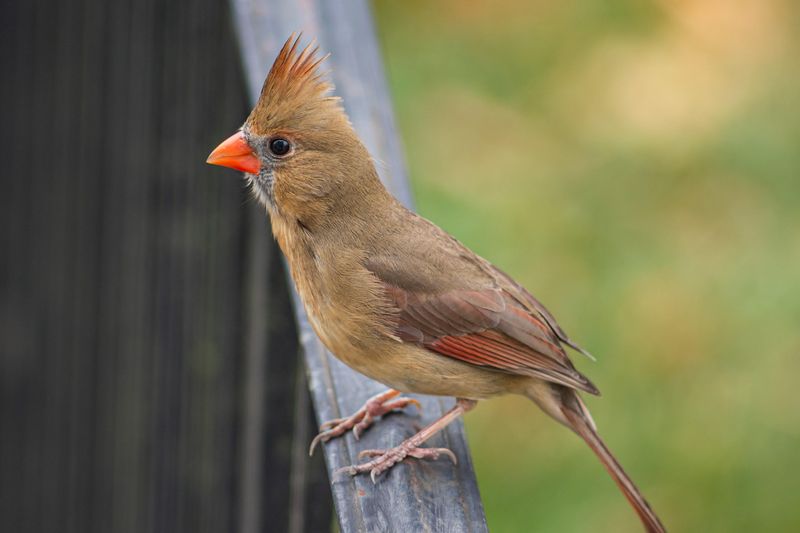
(416,496)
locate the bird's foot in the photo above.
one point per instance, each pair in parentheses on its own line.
(359,421)
(386,459)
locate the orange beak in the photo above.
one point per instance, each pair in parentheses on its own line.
(234,152)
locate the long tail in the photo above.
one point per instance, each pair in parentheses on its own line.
(579,419)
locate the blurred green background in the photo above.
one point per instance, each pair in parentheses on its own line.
(636,164)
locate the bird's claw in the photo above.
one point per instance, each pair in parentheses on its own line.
(331,423)
(386,459)
(362,419)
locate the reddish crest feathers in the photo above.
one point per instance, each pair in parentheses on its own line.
(293,90)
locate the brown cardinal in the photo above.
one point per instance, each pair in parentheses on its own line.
(388,292)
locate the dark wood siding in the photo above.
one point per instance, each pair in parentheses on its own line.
(145,324)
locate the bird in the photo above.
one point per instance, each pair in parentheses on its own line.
(388,292)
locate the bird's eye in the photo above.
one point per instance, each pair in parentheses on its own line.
(279,146)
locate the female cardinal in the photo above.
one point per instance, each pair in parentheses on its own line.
(388,292)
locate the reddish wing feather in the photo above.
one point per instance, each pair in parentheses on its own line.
(519,293)
(486,328)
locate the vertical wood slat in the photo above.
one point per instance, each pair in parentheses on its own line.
(430,496)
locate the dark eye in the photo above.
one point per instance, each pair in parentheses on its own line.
(279,146)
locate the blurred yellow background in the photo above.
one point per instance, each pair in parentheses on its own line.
(635,164)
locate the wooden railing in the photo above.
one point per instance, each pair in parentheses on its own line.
(417,496)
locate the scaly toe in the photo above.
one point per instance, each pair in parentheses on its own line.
(401,403)
(370,453)
(433,453)
(386,459)
(331,424)
(362,419)
(321,437)
(336,428)
(359,428)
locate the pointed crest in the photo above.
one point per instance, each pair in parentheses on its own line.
(293,85)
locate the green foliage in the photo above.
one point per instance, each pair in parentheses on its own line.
(636,165)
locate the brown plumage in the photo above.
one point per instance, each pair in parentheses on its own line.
(389,293)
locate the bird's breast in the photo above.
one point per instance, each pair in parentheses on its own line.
(348,309)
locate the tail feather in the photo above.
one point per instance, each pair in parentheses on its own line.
(580,421)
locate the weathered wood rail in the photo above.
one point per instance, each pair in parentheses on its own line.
(418,496)
(151,375)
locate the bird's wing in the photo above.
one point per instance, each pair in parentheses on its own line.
(526,299)
(486,327)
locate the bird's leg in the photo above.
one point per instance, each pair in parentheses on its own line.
(378,405)
(385,459)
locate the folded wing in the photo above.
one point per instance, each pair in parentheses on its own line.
(487,327)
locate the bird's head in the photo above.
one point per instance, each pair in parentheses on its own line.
(297,148)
